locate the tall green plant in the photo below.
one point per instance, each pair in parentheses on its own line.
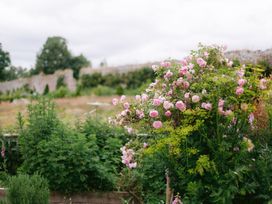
(72,160)
(24,189)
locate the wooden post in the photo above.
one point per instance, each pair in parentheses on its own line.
(168,189)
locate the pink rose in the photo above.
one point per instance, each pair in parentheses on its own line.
(126,105)
(177,201)
(234,121)
(208,106)
(115,101)
(184,62)
(251,119)
(183,70)
(157,101)
(123,98)
(195,99)
(132,165)
(241,82)
(179,81)
(185,84)
(3,151)
(129,130)
(228,112)
(124,113)
(191,66)
(155,67)
(201,62)
(144,97)
(153,113)
(206,54)
(164,86)
(239,91)
(167,105)
(180,105)
(230,63)
(240,73)
(221,111)
(138,98)
(187,96)
(168,113)
(140,113)
(157,124)
(221,103)
(168,74)
(263,84)
(165,64)
(189,76)
(145,145)
(169,93)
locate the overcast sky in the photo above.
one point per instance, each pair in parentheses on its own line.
(132,31)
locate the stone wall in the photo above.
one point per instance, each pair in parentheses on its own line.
(250,56)
(117,69)
(92,198)
(39,82)
(86,198)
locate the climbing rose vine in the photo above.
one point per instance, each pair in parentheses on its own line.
(182,85)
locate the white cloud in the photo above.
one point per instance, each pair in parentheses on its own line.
(132,31)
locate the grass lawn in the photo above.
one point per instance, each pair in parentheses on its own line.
(70,110)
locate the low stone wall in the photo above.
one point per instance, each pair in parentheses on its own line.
(90,197)
(86,198)
(39,82)
(116,69)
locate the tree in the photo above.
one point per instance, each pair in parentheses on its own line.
(53,56)
(103,63)
(4,62)
(13,72)
(77,63)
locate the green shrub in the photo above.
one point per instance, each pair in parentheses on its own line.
(119,90)
(60,92)
(60,82)
(108,141)
(103,91)
(135,79)
(46,90)
(67,160)
(266,65)
(3,201)
(112,79)
(78,90)
(24,189)
(93,80)
(87,158)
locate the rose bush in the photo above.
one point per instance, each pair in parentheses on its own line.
(207,123)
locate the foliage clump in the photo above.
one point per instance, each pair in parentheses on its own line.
(201,117)
(28,190)
(72,160)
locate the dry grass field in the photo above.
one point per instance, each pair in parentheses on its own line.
(70,110)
